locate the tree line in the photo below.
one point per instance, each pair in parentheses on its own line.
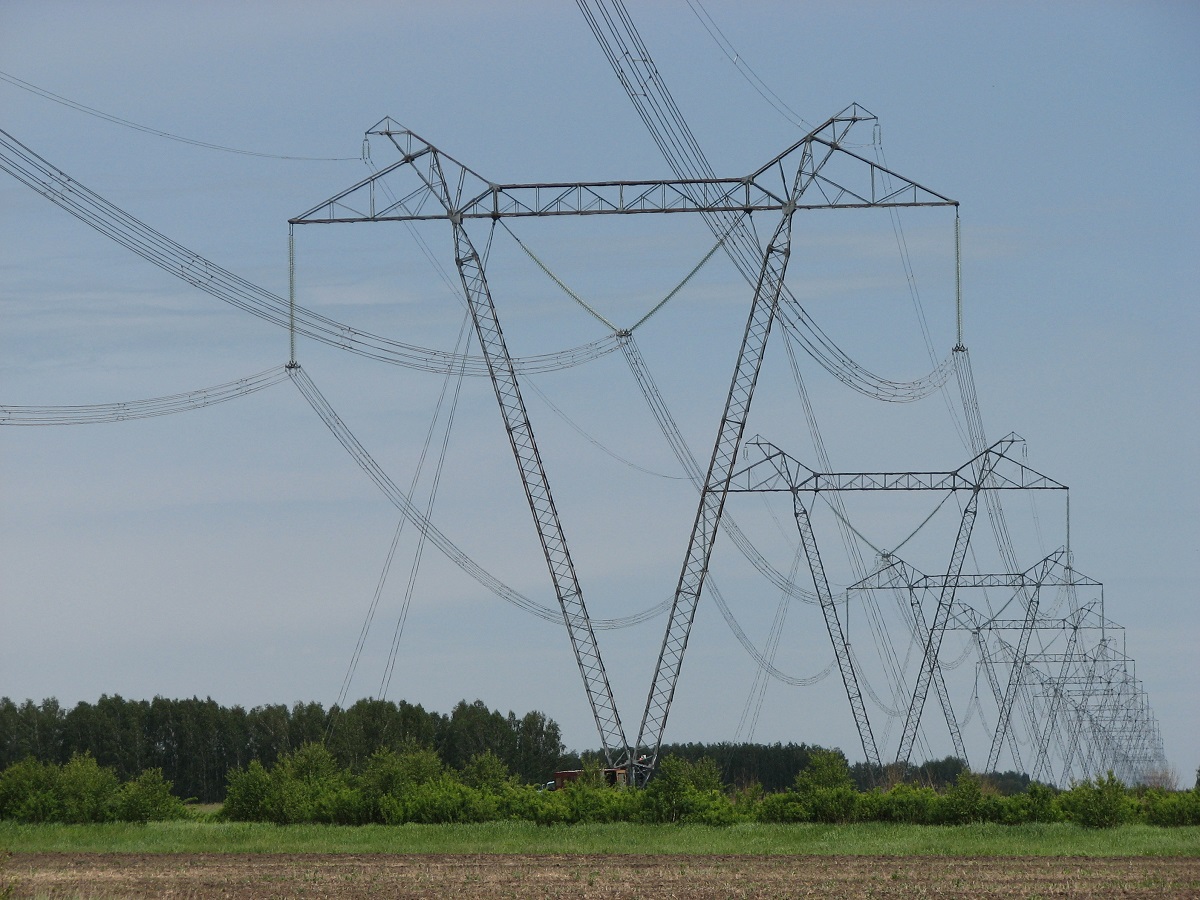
(197,743)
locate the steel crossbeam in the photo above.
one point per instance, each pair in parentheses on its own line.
(774,470)
(858,183)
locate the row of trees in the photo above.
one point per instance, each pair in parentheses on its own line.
(196,743)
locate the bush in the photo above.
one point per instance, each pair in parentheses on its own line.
(308,786)
(392,773)
(826,769)
(148,798)
(1102,803)
(248,794)
(591,799)
(905,803)
(833,805)
(29,792)
(970,800)
(552,808)
(1036,804)
(1171,808)
(447,800)
(686,792)
(487,772)
(84,792)
(746,801)
(783,809)
(88,791)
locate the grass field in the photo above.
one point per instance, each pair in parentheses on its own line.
(522,838)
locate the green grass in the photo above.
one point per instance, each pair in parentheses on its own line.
(498,837)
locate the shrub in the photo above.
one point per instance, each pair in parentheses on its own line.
(88,791)
(783,809)
(970,800)
(519,801)
(1102,803)
(447,800)
(306,786)
(709,808)
(1036,804)
(833,805)
(1171,808)
(487,772)
(551,808)
(29,792)
(908,804)
(591,799)
(1042,805)
(746,801)
(686,792)
(248,794)
(148,798)
(826,769)
(392,772)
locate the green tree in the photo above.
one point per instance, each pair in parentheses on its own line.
(473,729)
(683,791)
(539,748)
(487,772)
(88,791)
(309,786)
(826,769)
(148,798)
(1102,803)
(29,791)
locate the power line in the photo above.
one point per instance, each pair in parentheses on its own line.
(157,132)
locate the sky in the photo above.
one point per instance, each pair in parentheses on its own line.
(235,551)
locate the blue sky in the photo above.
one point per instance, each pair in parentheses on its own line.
(234,551)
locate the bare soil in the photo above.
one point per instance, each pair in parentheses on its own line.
(99,876)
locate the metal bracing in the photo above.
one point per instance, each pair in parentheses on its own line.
(815,172)
(989,672)
(541,501)
(1112,719)
(1097,701)
(833,623)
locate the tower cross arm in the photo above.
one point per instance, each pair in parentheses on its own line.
(771,469)
(831,178)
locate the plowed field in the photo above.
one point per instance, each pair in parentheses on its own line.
(465,877)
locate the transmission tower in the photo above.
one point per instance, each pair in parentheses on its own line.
(425,183)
